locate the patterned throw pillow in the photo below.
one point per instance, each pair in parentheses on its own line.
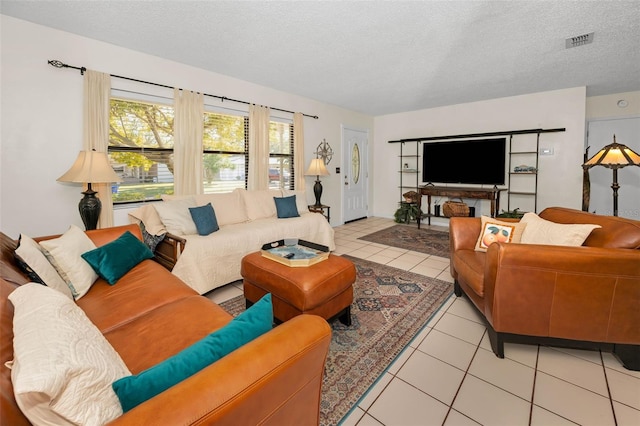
(493,230)
(65,252)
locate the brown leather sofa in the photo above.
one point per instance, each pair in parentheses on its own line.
(581,297)
(150,315)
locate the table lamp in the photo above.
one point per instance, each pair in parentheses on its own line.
(614,156)
(317,168)
(90,167)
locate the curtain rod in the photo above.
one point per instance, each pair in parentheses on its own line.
(476,135)
(58,64)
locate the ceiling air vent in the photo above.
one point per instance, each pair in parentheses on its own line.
(579,40)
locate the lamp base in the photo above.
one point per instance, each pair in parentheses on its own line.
(317,191)
(90,207)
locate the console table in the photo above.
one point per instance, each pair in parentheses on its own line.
(492,194)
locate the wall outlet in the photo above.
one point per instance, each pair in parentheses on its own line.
(546,151)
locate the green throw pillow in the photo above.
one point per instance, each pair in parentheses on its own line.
(113,260)
(286,207)
(255,321)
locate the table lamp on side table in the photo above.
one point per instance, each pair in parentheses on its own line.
(90,167)
(317,169)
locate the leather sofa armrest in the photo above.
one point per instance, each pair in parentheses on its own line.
(275,379)
(463,232)
(169,250)
(581,293)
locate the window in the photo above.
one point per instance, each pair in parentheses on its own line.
(281,155)
(141,149)
(225,157)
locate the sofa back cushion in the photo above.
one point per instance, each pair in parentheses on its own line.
(259,203)
(301,199)
(615,232)
(229,207)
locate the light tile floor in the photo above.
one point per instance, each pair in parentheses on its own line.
(448,375)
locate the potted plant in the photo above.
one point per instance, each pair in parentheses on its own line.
(407,212)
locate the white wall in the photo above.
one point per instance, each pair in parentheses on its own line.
(560,175)
(42,119)
(600,107)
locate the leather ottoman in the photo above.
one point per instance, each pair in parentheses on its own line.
(324,289)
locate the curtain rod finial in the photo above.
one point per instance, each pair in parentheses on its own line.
(56,63)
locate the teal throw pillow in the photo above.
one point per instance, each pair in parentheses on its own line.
(113,260)
(205,219)
(286,207)
(255,321)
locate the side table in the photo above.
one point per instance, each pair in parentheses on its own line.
(321,209)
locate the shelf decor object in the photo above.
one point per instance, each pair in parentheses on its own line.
(317,169)
(614,156)
(90,167)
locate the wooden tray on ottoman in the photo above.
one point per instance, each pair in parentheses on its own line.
(298,255)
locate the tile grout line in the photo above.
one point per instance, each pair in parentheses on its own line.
(606,380)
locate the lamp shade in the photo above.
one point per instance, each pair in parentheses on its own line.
(317,168)
(614,156)
(90,167)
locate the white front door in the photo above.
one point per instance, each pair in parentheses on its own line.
(354,175)
(601,200)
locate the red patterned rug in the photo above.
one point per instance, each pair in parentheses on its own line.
(409,237)
(390,306)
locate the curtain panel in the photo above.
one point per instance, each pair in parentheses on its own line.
(188,129)
(96,96)
(298,151)
(258,147)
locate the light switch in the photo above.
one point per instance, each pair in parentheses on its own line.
(546,151)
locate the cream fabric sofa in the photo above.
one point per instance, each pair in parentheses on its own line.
(247,220)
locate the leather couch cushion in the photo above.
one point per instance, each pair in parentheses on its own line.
(470,267)
(165,331)
(255,321)
(145,287)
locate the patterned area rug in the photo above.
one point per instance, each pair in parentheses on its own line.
(409,237)
(390,306)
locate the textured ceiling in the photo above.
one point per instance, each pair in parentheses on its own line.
(375,57)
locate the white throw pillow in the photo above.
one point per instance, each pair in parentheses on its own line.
(63,366)
(229,206)
(65,252)
(176,217)
(260,204)
(542,231)
(31,254)
(301,199)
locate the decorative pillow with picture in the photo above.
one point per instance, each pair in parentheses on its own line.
(493,230)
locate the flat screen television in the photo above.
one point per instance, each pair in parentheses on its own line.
(477,161)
